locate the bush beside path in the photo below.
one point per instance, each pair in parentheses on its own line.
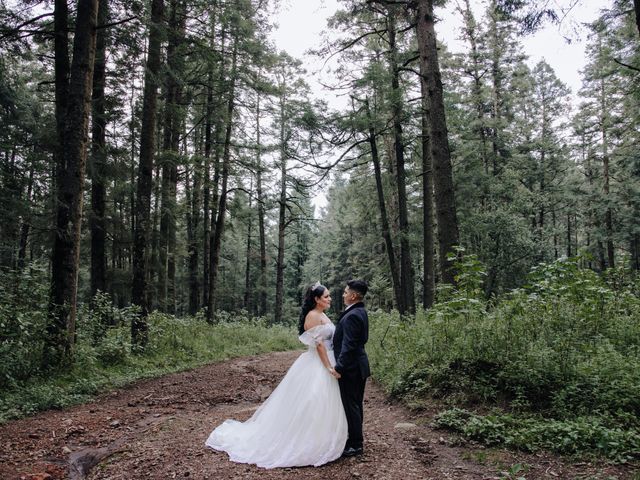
(156,429)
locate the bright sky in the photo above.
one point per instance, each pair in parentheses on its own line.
(301,22)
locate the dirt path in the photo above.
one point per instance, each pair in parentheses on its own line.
(156,429)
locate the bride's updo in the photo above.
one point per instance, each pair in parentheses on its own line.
(309,302)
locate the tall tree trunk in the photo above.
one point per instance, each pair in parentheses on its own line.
(139,327)
(442,171)
(208,130)
(193,221)
(154,259)
(542,210)
(262,282)
(282,207)
(11,186)
(406,268)
(608,218)
(594,217)
(384,219)
(247,301)
(60,338)
(555,233)
(222,205)
(170,146)
(133,160)
(428,272)
(471,32)
(496,92)
(61,73)
(215,184)
(26,222)
(206,191)
(97,222)
(569,238)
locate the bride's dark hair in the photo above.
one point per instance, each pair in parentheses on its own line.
(309,302)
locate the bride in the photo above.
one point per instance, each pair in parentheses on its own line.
(303,421)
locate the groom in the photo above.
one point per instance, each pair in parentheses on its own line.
(352,332)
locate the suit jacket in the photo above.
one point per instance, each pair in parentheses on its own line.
(352,332)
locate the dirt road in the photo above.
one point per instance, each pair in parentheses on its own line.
(157,428)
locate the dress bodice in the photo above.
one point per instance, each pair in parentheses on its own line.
(319,333)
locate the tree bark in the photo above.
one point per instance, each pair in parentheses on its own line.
(608,218)
(594,217)
(61,73)
(496,93)
(222,205)
(442,170)
(139,327)
(384,219)
(282,206)
(248,291)
(569,238)
(215,184)
(555,233)
(206,192)
(170,155)
(98,160)
(60,338)
(26,222)
(193,221)
(208,131)
(262,282)
(154,259)
(406,268)
(428,269)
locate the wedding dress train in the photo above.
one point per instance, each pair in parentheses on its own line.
(301,423)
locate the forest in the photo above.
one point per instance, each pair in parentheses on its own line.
(159,162)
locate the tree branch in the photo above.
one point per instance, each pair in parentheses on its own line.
(631,67)
(13,31)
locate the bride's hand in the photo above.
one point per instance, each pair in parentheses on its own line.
(333,373)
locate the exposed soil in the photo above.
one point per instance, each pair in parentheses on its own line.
(157,428)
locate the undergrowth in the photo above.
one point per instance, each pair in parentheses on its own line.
(557,362)
(103,356)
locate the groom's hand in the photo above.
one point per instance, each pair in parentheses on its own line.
(333,373)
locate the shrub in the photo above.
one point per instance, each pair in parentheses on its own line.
(23,307)
(103,357)
(565,347)
(583,435)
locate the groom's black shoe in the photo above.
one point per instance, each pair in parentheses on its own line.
(352,452)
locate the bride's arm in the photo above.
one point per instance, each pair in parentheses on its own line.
(324,357)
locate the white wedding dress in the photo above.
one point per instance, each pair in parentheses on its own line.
(301,423)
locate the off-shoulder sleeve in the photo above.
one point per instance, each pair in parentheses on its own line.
(313,336)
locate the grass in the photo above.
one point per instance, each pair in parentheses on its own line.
(175,345)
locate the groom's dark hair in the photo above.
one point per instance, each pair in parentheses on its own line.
(358,286)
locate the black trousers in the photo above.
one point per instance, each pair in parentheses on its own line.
(352,393)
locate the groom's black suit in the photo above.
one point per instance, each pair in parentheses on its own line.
(352,332)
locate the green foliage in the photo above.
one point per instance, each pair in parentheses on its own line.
(583,435)
(564,351)
(514,471)
(23,307)
(103,357)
